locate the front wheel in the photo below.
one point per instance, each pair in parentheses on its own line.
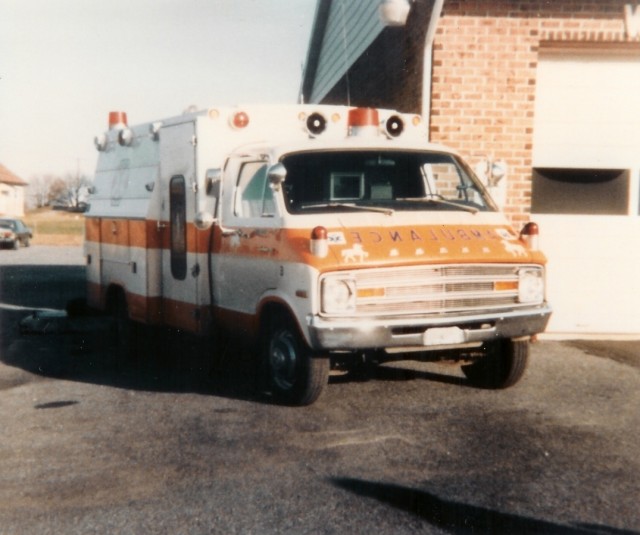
(503,365)
(296,376)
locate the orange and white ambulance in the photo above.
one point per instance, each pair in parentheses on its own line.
(329,235)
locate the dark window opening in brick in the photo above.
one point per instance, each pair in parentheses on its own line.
(580,191)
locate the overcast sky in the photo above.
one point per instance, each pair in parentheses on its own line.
(64,64)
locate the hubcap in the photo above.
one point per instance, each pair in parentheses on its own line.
(282,359)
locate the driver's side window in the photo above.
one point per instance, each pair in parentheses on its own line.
(254,196)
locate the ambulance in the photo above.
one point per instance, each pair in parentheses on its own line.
(329,236)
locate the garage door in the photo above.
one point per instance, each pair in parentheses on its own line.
(585,193)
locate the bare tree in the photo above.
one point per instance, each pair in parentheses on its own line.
(76,187)
(67,191)
(40,189)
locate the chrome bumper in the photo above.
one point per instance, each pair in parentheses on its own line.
(378,333)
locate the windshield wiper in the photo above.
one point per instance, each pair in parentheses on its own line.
(435,200)
(385,211)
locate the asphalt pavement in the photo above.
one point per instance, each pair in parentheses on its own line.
(185,443)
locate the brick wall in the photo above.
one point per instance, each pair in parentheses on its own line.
(484,76)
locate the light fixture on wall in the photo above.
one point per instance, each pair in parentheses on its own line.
(394,12)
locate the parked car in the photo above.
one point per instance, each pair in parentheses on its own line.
(13,233)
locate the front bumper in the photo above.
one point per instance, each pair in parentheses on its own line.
(427,333)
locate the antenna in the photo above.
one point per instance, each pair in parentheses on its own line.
(301,88)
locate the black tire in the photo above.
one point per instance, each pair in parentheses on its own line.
(502,367)
(295,374)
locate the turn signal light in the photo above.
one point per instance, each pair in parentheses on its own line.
(365,293)
(529,235)
(319,244)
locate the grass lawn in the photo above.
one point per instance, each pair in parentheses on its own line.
(55,227)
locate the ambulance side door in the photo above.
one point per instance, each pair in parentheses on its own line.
(180,263)
(249,265)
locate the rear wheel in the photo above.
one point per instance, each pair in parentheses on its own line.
(296,375)
(503,365)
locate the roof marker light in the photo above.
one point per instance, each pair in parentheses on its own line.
(529,235)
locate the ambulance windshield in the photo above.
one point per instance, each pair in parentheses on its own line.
(381,181)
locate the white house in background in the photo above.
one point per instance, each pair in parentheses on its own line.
(12,193)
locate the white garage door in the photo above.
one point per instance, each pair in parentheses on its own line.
(585,195)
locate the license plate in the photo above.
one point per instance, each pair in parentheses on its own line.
(443,336)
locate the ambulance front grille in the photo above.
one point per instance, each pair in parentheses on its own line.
(437,289)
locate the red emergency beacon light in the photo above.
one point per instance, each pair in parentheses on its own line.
(117,119)
(240,120)
(529,235)
(319,243)
(363,121)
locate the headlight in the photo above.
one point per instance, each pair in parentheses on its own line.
(338,295)
(530,286)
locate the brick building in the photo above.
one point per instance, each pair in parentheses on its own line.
(548,90)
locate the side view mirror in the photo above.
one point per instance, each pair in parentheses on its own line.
(277,174)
